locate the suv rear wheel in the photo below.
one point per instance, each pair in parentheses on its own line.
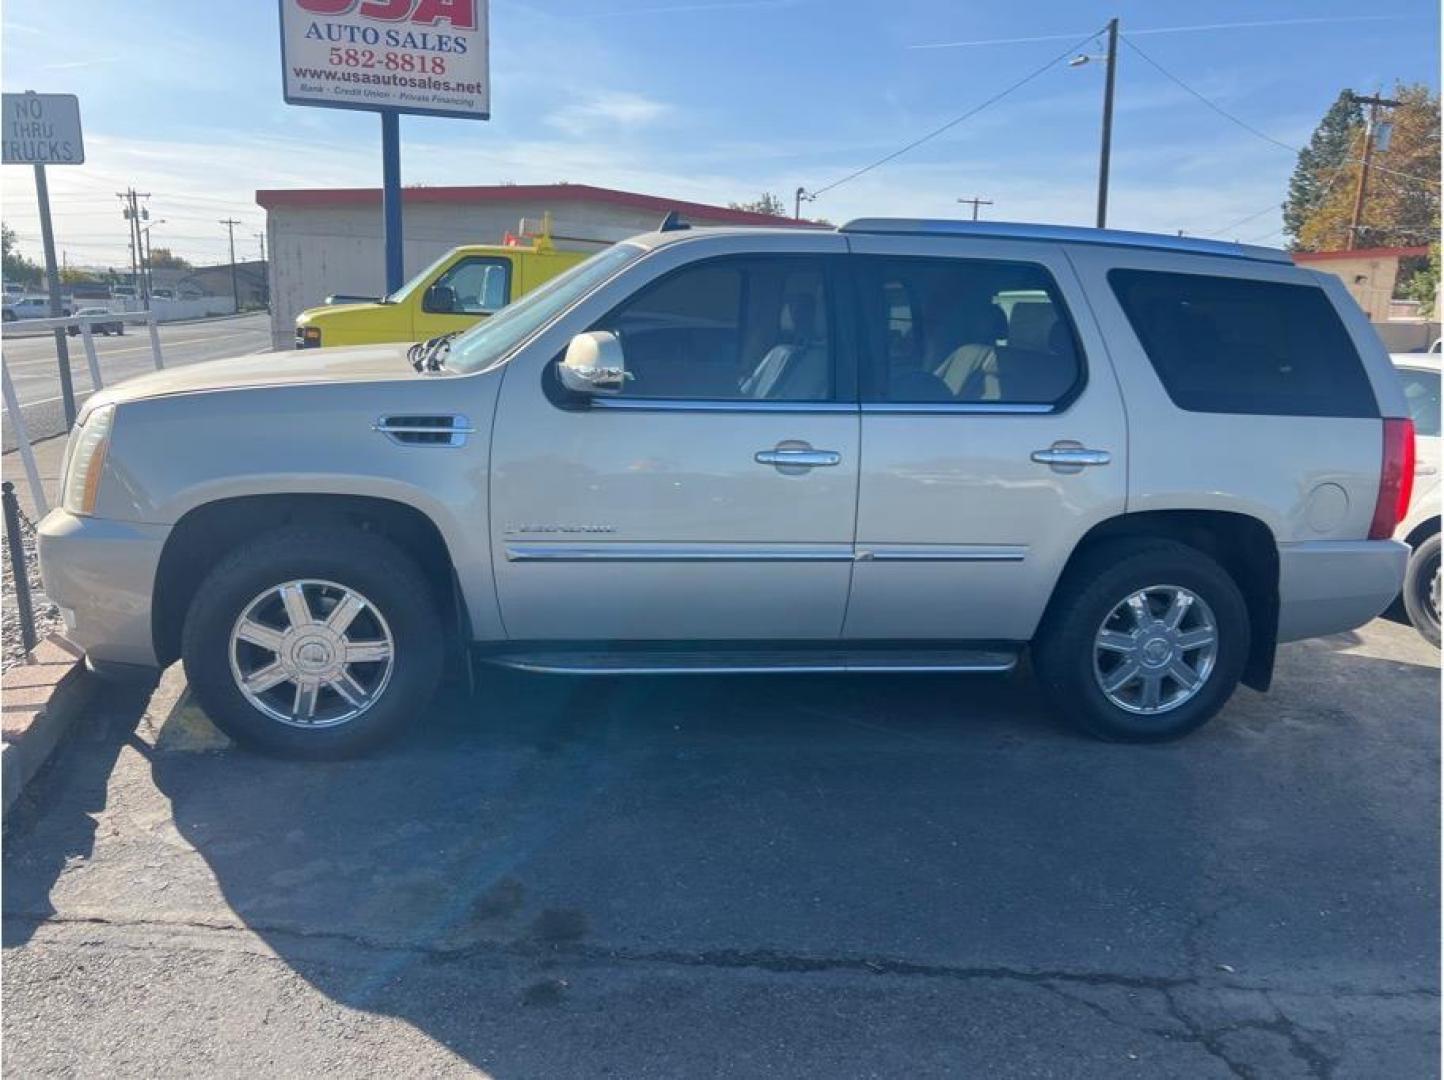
(1145,641)
(313,642)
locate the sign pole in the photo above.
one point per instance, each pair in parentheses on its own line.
(52,277)
(391,198)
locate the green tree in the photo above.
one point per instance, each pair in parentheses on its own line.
(1423,284)
(1323,164)
(766,203)
(164,259)
(1402,203)
(16,267)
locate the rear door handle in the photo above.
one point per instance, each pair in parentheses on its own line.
(806,459)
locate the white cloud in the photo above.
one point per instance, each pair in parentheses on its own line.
(614,111)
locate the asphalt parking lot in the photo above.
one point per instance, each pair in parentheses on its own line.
(839,876)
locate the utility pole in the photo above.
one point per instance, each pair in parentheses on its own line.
(230,224)
(1375,103)
(977,202)
(1106,149)
(133,213)
(262,238)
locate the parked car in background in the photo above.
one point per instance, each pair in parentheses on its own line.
(458,290)
(31,307)
(100,327)
(899,446)
(1420,377)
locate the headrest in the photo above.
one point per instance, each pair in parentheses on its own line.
(799,316)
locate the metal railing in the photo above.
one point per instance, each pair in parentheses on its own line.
(86,325)
(19,567)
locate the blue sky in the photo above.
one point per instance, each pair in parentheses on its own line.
(716,100)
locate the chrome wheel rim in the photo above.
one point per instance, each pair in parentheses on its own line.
(1432,599)
(311,653)
(1155,650)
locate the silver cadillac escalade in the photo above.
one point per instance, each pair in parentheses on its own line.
(899,446)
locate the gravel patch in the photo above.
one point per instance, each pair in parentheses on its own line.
(47,615)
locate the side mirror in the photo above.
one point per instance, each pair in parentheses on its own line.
(440,298)
(594,364)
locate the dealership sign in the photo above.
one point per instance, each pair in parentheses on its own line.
(417,56)
(41,129)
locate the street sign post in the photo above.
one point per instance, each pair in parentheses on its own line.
(40,130)
(429,57)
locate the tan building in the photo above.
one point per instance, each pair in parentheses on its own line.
(327,241)
(1369,273)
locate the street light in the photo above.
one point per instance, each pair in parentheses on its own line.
(1111,59)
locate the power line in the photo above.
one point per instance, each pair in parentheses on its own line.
(1249,127)
(1245,220)
(959,119)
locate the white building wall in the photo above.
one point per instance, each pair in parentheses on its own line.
(316,251)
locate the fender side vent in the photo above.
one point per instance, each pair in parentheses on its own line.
(445,429)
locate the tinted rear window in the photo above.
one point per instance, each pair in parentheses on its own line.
(1234,345)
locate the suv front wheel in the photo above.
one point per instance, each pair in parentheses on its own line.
(313,641)
(1145,641)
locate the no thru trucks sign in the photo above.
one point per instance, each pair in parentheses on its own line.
(41,129)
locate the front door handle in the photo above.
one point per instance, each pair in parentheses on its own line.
(806,459)
(1070,456)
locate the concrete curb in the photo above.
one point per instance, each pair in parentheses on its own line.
(41,712)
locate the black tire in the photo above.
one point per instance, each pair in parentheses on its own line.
(1421,589)
(1099,580)
(365,562)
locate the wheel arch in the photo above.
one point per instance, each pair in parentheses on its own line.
(1422,531)
(206,533)
(1243,545)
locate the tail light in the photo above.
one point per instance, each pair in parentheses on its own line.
(1396,479)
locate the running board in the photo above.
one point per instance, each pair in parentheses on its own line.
(757,662)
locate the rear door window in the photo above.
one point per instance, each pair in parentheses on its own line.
(966,332)
(1240,345)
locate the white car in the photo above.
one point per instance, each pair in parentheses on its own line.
(1420,373)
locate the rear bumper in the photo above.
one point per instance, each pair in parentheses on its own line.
(102,574)
(1328,586)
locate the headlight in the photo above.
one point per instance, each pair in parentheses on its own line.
(86,461)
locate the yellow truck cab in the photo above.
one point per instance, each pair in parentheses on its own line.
(459,289)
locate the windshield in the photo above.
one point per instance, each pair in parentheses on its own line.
(400,294)
(489,341)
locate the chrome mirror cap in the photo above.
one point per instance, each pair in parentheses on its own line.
(593,364)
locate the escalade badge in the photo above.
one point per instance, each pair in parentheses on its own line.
(514,529)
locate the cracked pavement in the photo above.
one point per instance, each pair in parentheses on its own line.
(842,876)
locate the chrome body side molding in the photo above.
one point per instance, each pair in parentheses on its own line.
(552,551)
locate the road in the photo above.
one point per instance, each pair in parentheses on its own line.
(752,877)
(33,366)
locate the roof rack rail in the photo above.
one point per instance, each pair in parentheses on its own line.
(1071,234)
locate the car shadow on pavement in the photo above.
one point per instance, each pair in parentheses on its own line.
(557,875)
(53,824)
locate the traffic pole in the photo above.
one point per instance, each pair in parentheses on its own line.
(52,278)
(391,198)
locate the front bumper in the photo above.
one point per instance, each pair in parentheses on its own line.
(102,574)
(1328,586)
